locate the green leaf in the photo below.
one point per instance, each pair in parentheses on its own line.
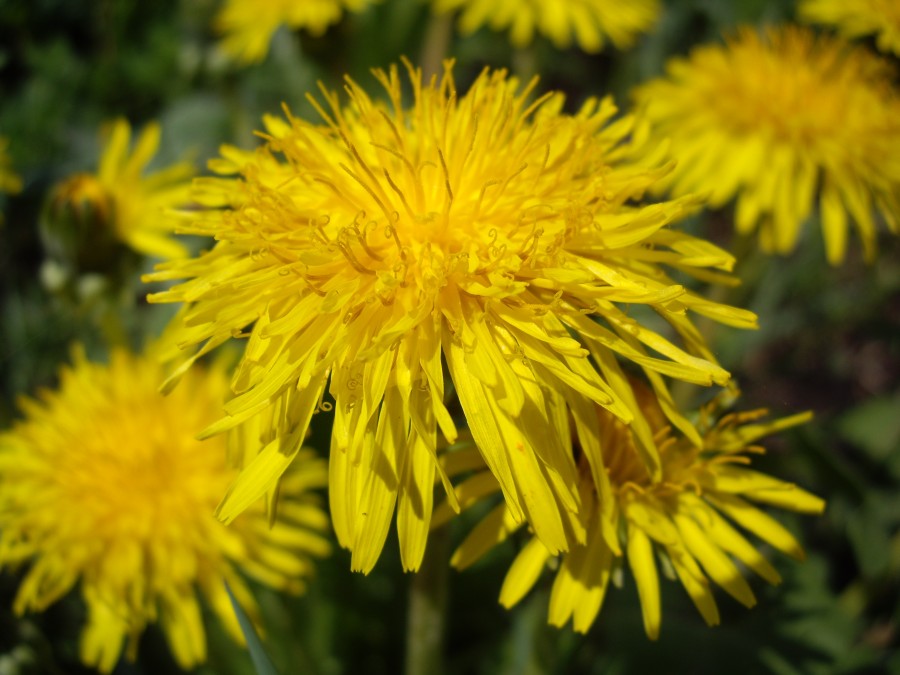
(874,427)
(261,661)
(868,530)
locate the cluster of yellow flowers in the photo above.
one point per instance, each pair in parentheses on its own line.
(466,275)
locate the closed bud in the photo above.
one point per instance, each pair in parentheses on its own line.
(78,225)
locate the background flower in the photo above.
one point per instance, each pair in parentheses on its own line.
(587,23)
(779,120)
(248,25)
(687,519)
(857,19)
(104,487)
(88,214)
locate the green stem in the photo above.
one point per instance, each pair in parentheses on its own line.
(531,639)
(427,608)
(525,63)
(436,44)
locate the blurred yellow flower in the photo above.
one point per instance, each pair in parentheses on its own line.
(103,486)
(10,182)
(589,23)
(687,519)
(88,214)
(248,25)
(774,120)
(858,18)
(481,228)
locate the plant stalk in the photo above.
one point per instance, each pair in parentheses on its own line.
(427,608)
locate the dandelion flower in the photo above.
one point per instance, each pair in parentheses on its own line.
(248,25)
(474,229)
(692,518)
(10,182)
(590,23)
(89,214)
(858,18)
(103,486)
(777,118)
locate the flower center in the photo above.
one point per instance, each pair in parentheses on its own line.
(146,474)
(410,213)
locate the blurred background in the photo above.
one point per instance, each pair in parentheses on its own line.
(829,342)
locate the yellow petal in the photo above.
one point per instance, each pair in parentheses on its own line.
(415,503)
(643,434)
(379,493)
(834,223)
(182,624)
(342,494)
(695,584)
(580,585)
(116,151)
(739,437)
(468,493)
(643,566)
(727,538)
(493,529)
(102,639)
(716,564)
(762,525)
(144,149)
(524,572)
(481,421)
(259,476)
(585,416)
(762,488)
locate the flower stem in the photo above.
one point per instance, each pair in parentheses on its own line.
(427,607)
(435,44)
(525,63)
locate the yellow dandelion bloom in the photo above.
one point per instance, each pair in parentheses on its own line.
(118,204)
(10,182)
(588,23)
(103,486)
(475,229)
(774,120)
(248,25)
(687,519)
(858,18)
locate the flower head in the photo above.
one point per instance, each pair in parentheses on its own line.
(590,23)
(248,25)
(89,214)
(10,182)
(103,486)
(688,518)
(856,19)
(477,228)
(774,119)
